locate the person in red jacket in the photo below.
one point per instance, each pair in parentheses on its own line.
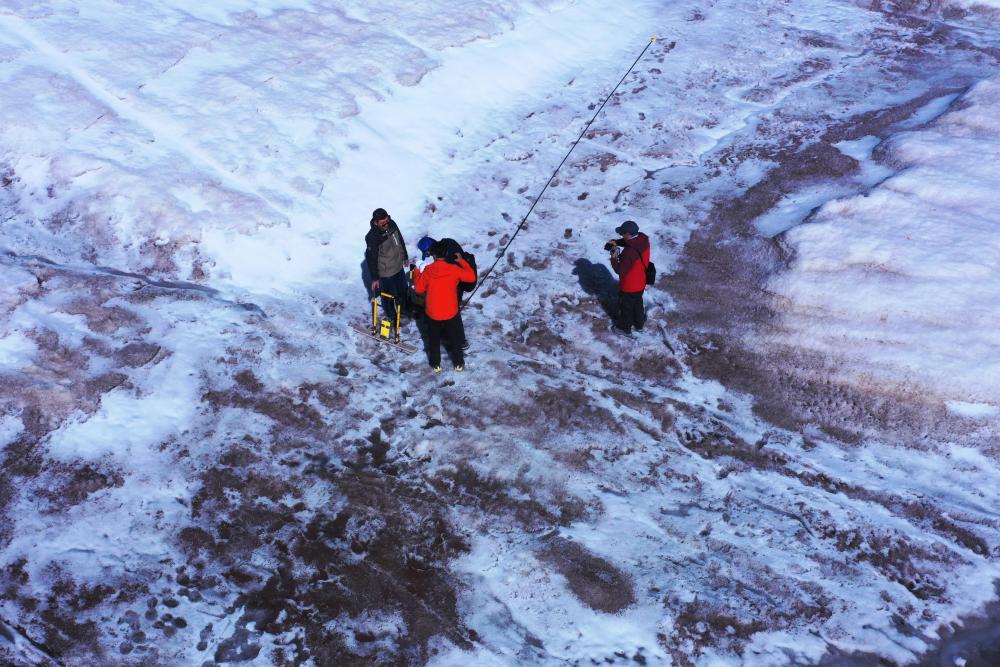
(439,285)
(629,259)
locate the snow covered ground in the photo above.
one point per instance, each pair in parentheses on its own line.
(797,463)
(909,268)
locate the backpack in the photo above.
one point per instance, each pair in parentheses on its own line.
(650,270)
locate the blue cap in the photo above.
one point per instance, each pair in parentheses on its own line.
(424,245)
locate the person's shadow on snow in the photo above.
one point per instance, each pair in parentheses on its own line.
(596,280)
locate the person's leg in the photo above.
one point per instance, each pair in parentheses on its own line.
(635,310)
(396,286)
(434,342)
(454,331)
(460,342)
(622,318)
(629,316)
(388,305)
(640,311)
(402,284)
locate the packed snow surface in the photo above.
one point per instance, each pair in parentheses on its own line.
(902,281)
(796,462)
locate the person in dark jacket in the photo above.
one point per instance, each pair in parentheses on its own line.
(439,282)
(629,259)
(386,257)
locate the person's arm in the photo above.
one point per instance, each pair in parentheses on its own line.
(622,262)
(419,281)
(371,259)
(465,272)
(615,257)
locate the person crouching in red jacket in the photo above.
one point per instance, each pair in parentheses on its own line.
(439,283)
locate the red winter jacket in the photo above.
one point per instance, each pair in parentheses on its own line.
(440,282)
(631,271)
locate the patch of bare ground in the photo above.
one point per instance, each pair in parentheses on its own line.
(379,549)
(644,402)
(544,409)
(67,622)
(595,581)
(899,559)
(284,409)
(514,499)
(66,485)
(732,606)
(535,336)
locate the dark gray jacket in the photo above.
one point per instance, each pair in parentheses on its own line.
(374,240)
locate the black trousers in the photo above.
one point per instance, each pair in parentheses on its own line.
(396,286)
(455,333)
(631,311)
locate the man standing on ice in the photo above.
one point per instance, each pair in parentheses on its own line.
(439,282)
(386,256)
(629,259)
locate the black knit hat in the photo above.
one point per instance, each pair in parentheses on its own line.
(627,227)
(379,214)
(438,249)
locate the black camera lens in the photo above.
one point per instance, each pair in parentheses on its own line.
(609,246)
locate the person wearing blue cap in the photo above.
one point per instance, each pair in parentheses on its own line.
(630,260)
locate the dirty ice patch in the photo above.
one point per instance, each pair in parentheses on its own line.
(16,351)
(524,608)
(795,207)
(10,428)
(972,410)
(985,6)
(100,535)
(130,425)
(902,284)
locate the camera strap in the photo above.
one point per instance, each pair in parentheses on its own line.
(641,260)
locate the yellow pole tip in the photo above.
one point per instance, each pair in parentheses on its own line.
(653,38)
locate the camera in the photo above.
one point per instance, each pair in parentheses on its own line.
(609,246)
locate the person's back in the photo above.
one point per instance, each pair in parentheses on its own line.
(631,263)
(453,249)
(439,283)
